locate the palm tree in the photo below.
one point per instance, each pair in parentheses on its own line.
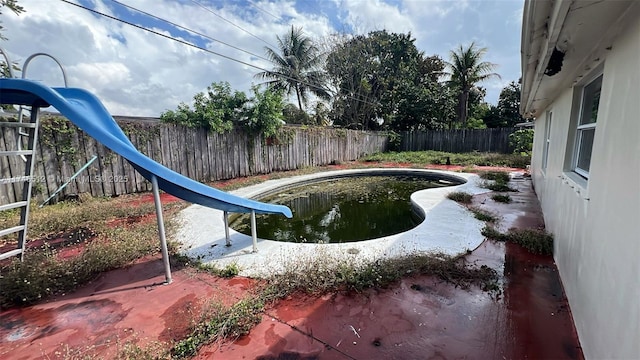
(296,67)
(466,69)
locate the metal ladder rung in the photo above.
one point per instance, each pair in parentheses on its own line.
(11,253)
(13,205)
(11,230)
(13,124)
(16,153)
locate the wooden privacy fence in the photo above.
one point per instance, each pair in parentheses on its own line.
(458,141)
(63,149)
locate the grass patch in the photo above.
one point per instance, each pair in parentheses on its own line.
(501,198)
(219,323)
(483,215)
(460,196)
(440,158)
(154,351)
(65,216)
(43,273)
(536,241)
(228,271)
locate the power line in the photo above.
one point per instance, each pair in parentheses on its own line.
(163,35)
(232,23)
(263,10)
(206,50)
(189,30)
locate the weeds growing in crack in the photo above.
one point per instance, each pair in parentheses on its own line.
(460,197)
(497,181)
(483,215)
(220,323)
(534,240)
(502,198)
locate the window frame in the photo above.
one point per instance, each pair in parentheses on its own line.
(547,140)
(581,128)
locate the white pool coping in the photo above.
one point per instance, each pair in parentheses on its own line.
(448,228)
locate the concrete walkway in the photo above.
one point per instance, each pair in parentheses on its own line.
(448,227)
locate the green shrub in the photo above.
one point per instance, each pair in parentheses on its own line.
(264,113)
(220,109)
(522,141)
(216,110)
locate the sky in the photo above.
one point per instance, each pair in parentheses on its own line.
(138,73)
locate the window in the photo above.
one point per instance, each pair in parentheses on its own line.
(547,140)
(586,127)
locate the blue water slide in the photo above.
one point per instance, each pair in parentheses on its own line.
(87,112)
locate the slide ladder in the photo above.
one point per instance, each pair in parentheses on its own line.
(24,200)
(28,130)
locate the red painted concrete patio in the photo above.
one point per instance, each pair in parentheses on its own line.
(420,317)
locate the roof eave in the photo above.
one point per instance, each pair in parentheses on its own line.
(542,23)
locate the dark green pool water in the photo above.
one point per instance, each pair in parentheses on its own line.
(343,210)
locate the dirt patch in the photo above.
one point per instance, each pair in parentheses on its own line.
(165,198)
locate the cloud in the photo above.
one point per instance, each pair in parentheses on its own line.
(138,73)
(365,16)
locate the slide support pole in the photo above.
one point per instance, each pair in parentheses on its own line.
(163,239)
(254,235)
(226,228)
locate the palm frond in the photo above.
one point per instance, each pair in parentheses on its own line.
(297,66)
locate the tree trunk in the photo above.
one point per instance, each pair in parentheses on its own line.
(298,95)
(463,107)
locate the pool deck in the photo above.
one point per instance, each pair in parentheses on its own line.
(448,228)
(419,317)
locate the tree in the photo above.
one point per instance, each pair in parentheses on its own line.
(465,69)
(296,67)
(507,112)
(383,81)
(478,108)
(492,118)
(13,6)
(17,9)
(509,104)
(354,77)
(293,115)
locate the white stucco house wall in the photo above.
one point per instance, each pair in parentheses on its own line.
(581,83)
